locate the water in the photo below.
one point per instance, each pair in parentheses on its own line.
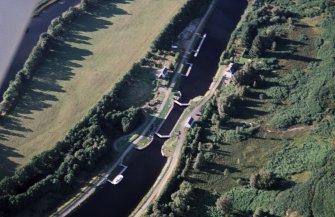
(171,120)
(145,166)
(218,29)
(119,200)
(36,27)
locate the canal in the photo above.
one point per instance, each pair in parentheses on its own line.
(145,166)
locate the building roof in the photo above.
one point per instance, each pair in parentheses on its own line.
(163,73)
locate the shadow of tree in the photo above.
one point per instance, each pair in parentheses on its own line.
(215,168)
(286,48)
(247,109)
(5,153)
(12,123)
(195,180)
(291,56)
(58,65)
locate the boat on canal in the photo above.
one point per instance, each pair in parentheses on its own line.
(117,179)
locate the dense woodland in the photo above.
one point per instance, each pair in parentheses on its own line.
(53,175)
(265,142)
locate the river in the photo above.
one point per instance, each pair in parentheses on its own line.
(145,166)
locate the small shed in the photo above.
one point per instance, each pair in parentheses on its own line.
(231,69)
(163,73)
(190,122)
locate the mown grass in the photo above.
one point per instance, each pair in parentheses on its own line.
(97,51)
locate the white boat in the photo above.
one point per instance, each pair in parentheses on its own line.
(117,179)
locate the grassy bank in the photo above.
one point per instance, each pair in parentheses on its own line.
(96,51)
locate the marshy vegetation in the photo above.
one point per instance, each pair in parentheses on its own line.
(266,140)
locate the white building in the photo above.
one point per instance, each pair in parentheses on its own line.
(190,122)
(230,71)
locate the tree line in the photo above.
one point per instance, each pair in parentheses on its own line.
(84,146)
(177,197)
(46,40)
(190,11)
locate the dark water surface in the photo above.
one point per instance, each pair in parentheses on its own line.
(145,166)
(36,27)
(218,29)
(171,120)
(119,200)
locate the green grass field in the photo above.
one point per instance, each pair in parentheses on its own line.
(99,48)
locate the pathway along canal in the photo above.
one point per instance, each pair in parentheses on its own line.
(36,27)
(145,166)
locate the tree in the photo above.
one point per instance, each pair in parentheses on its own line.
(125,124)
(85,4)
(181,199)
(221,102)
(263,179)
(224,205)
(247,33)
(172,67)
(69,178)
(199,161)
(257,48)
(246,75)
(215,119)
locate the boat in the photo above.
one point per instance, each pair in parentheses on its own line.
(117,179)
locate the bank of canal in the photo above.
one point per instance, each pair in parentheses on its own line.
(144,166)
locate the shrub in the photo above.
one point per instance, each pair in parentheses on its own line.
(224,205)
(199,161)
(282,120)
(181,199)
(70,14)
(257,48)
(259,212)
(86,4)
(248,33)
(263,179)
